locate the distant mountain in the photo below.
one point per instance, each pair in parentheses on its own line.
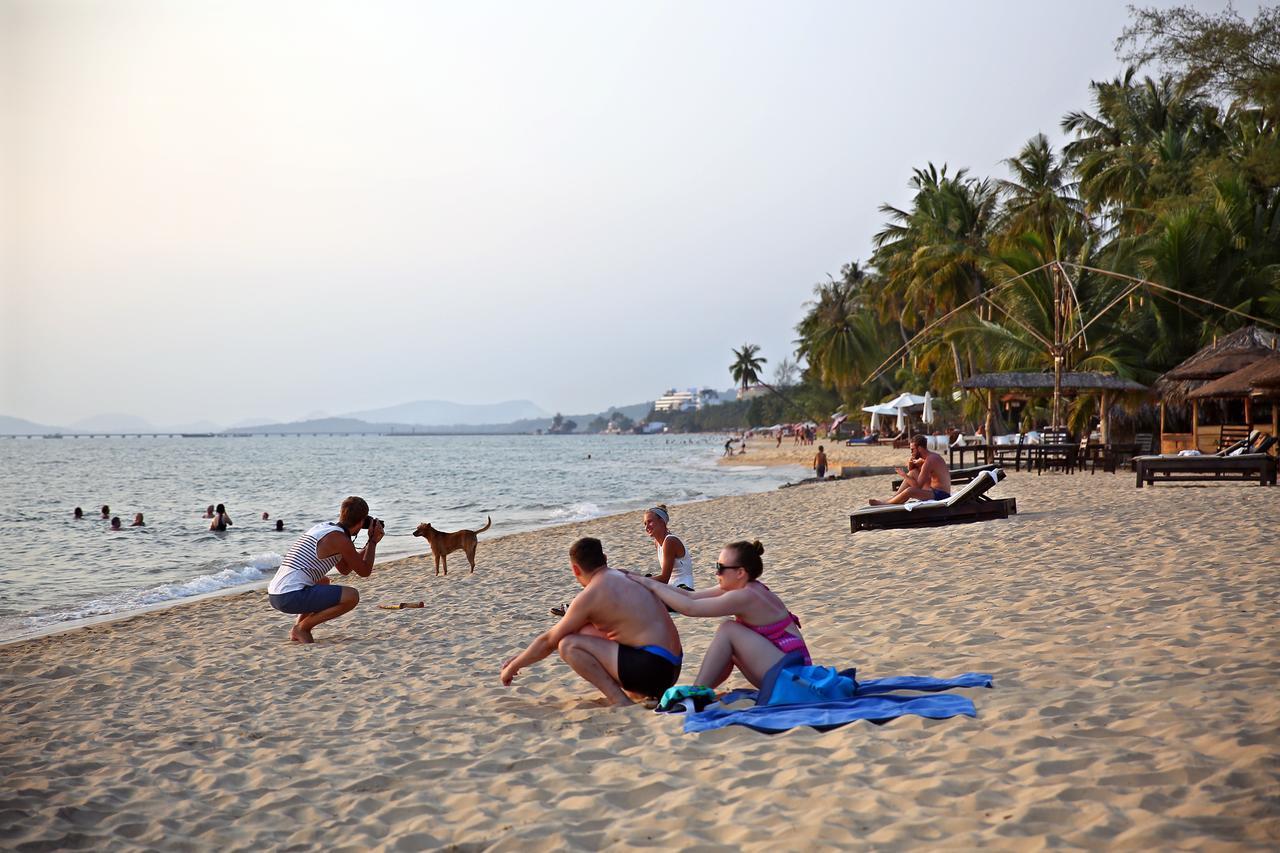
(249,422)
(349,424)
(444,413)
(112,422)
(194,426)
(18,426)
(319,425)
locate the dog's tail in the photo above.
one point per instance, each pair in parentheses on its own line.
(487,525)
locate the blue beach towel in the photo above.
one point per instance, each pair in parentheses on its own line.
(776,709)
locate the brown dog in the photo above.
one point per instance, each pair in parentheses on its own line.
(443,544)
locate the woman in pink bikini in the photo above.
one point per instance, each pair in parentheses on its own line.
(762,630)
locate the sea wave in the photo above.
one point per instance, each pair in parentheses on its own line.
(256,568)
(584,511)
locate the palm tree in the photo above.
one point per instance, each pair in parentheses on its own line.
(1140,146)
(932,256)
(746,366)
(841,338)
(1042,196)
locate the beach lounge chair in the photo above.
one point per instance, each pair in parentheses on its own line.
(1259,465)
(969,504)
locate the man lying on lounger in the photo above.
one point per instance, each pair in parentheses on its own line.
(927,477)
(615,634)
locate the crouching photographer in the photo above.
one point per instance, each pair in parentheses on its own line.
(300,585)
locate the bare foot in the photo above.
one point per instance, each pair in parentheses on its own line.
(875,502)
(300,635)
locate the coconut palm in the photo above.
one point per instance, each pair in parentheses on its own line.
(932,257)
(746,366)
(1041,196)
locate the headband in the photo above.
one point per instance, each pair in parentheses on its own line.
(661,513)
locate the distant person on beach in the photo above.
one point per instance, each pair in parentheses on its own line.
(300,586)
(675,564)
(615,634)
(728,447)
(106,512)
(927,477)
(279,524)
(820,463)
(208,513)
(221,521)
(115,523)
(138,522)
(762,629)
(79,513)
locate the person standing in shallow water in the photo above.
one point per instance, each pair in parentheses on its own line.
(138,522)
(820,463)
(221,521)
(115,523)
(106,512)
(78,514)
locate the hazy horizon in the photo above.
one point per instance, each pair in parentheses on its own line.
(234,210)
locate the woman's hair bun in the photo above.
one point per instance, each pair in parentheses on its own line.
(757,547)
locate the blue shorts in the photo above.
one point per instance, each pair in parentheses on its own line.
(309,599)
(939,495)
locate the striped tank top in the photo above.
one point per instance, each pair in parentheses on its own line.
(301,566)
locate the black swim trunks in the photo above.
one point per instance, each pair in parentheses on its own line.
(648,670)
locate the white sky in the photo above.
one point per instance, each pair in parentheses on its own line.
(228,210)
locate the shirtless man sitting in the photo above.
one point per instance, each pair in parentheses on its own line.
(615,634)
(927,477)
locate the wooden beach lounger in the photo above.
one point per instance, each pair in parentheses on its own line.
(1166,469)
(969,504)
(959,476)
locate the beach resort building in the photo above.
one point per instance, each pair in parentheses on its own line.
(689,400)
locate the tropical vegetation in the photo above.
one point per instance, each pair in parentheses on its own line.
(1153,230)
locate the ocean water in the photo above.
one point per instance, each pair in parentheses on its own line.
(56,570)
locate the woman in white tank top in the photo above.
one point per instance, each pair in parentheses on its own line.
(674,561)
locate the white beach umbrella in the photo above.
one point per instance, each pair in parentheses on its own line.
(902,418)
(902,401)
(927,417)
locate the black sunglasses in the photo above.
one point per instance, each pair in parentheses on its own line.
(720,568)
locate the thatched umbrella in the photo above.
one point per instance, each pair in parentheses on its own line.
(1072,380)
(1259,379)
(1224,356)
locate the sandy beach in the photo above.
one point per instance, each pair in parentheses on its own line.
(1131,634)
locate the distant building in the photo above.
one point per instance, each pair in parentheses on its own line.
(689,400)
(752,391)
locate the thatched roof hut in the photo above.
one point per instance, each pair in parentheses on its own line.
(1103,384)
(1267,378)
(1230,353)
(1261,378)
(1038,381)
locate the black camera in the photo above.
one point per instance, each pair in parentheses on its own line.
(369,521)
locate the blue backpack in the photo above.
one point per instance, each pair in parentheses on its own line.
(791,682)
